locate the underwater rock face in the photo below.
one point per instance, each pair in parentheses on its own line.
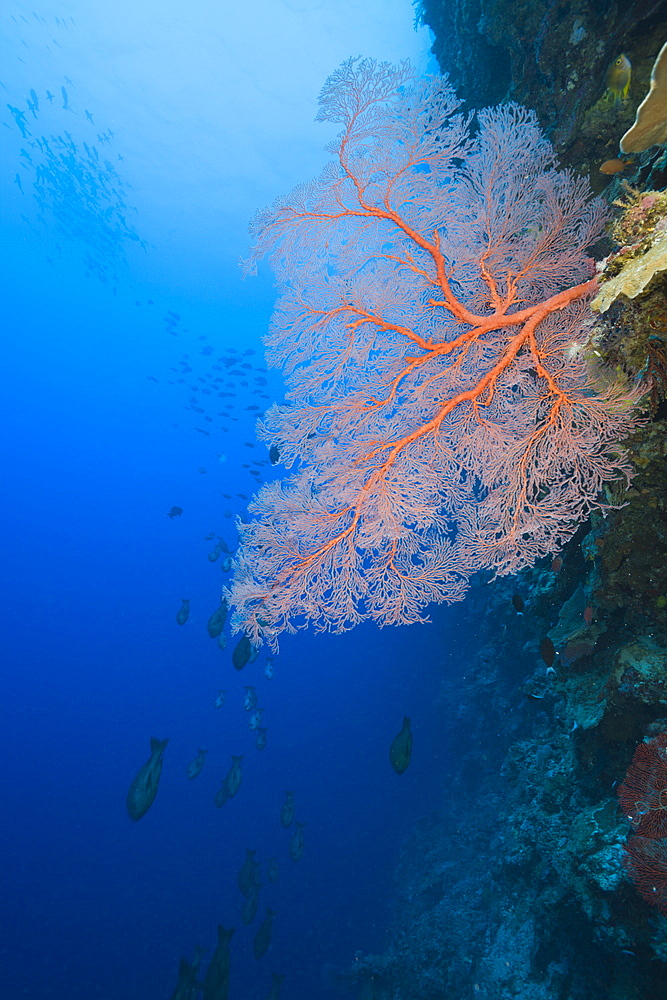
(640,668)
(548,56)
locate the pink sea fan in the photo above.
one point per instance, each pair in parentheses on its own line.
(439,416)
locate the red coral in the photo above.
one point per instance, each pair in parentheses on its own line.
(440,418)
(646,862)
(643,793)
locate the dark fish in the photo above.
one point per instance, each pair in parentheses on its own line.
(296,842)
(175,512)
(518,604)
(547,651)
(400,750)
(249,911)
(65,99)
(187,987)
(241,654)
(183,611)
(276,981)
(143,789)
(263,936)
(216,981)
(216,622)
(196,765)
(248,873)
(234,777)
(274,455)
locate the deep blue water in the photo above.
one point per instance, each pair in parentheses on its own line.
(95,664)
(98,443)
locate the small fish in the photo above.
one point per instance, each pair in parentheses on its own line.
(287,811)
(274,455)
(614,166)
(250,700)
(256,719)
(588,614)
(143,789)
(214,554)
(260,742)
(618,79)
(187,986)
(174,512)
(183,611)
(557,564)
(276,982)
(233,777)
(518,604)
(248,876)
(268,669)
(241,653)
(221,796)
(262,939)
(296,843)
(400,750)
(196,764)
(216,980)
(547,651)
(222,641)
(249,911)
(66,106)
(220,699)
(216,622)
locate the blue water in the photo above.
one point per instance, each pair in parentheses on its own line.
(99,442)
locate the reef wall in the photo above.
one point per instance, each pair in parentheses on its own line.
(552,56)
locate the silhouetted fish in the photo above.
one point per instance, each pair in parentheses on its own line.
(143,789)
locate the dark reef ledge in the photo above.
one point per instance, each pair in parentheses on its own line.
(552,56)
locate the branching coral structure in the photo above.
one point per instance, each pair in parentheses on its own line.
(643,798)
(439,417)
